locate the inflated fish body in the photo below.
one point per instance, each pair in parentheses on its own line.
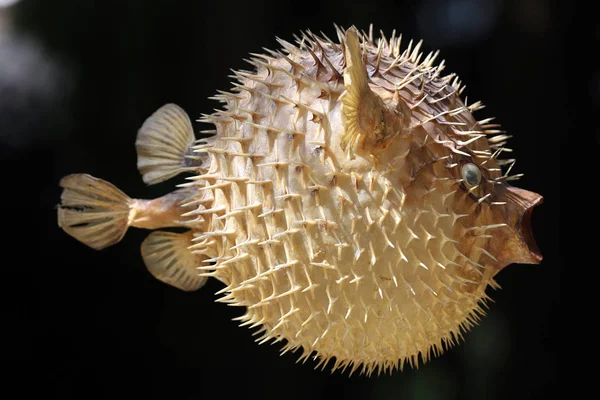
(347,198)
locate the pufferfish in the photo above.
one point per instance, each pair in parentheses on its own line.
(346,198)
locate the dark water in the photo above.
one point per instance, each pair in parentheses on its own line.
(77,79)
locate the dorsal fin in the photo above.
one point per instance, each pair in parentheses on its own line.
(367,118)
(168,259)
(162,144)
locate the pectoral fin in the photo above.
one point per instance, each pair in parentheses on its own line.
(163,144)
(169,260)
(367,118)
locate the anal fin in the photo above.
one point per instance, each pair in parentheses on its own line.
(164,144)
(169,260)
(93,211)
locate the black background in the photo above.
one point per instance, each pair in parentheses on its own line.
(78,78)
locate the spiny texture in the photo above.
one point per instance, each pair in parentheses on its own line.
(346,197)
(346,255)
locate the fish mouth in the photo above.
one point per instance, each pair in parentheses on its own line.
(518,244)
(526,232)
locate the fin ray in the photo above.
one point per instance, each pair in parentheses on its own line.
(356,83)
(93,211)
(162,144)
(169,260)
(367,118)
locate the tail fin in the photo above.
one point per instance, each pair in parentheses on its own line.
(164,144)
(169,259)
(93,211)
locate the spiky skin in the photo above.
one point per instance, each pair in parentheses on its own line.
(371,258)
(347,198)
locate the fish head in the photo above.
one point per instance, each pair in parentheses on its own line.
(497,215)
(438,145)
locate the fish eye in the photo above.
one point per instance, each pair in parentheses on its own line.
(471,174)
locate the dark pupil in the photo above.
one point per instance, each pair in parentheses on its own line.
(471,176)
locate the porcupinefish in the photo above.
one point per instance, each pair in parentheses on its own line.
(346,198)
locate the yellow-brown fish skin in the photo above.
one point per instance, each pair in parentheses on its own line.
(348,199)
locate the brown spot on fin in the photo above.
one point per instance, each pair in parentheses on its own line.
(366,117)
(93,211)
(164,144)
(169,259)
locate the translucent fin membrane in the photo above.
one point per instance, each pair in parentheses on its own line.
(162,144)
(93,211)
(169,260)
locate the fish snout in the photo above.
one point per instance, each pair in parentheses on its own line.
(521,247)
(526,232)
